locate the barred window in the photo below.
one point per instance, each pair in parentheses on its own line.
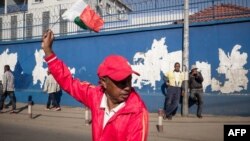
(108,9)
(29,25)
(63,23)
(38,0)
(46,19)
(13,27)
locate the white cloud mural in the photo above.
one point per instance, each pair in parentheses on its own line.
(39,73)
(232,67)
(151,63)
(157,59)
(232,76)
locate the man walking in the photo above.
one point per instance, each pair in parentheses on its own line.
(53,89)
(8,88)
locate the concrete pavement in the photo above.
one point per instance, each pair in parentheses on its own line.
(70,122)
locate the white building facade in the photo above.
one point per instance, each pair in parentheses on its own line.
(28,19)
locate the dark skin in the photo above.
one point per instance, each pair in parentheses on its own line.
(176,68)
(197,75)
(116,91)
(194,72)
(47,41)
(6,68)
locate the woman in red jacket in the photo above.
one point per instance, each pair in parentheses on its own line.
(118,113)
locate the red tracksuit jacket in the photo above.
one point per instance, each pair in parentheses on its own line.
(129,124)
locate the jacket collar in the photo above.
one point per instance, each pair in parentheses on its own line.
(132,105)
(104,104)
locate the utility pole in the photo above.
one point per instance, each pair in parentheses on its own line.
(185,56)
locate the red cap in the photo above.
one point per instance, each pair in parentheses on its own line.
(116,67)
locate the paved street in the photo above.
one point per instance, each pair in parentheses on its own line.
(69,124)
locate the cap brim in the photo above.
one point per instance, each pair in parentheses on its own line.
(119,76)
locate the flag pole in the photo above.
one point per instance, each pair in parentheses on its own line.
(54,23)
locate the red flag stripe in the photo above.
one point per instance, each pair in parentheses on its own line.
(91,19)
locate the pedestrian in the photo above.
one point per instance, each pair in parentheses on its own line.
(164,92)
(8,89)
(196,90)
(53,89)
(174,81)
(1,88)
(118,112)
(1,92)
(58,97)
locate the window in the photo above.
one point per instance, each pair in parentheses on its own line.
(38,1)
(100,3)
(119,13)
(46,19)
(63,23)
(100,8)
(13,27)
(29,25)
(108,9)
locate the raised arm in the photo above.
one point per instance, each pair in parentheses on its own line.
(81,91)
(199,77)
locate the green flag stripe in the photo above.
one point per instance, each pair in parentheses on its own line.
(79,22)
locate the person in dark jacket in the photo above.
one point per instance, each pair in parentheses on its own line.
(196,89)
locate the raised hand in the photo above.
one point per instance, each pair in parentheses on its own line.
(47,41)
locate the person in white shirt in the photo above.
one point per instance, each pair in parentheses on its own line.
(53,89)
(8,88)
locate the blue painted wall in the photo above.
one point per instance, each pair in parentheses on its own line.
(86,52)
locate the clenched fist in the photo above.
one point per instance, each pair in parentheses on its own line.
(47,41)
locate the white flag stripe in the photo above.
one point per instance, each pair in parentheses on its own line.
(74,11)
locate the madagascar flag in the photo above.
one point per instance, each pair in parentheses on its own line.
(85,17)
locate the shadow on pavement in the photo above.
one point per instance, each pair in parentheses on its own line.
(38,115)
(18,110)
